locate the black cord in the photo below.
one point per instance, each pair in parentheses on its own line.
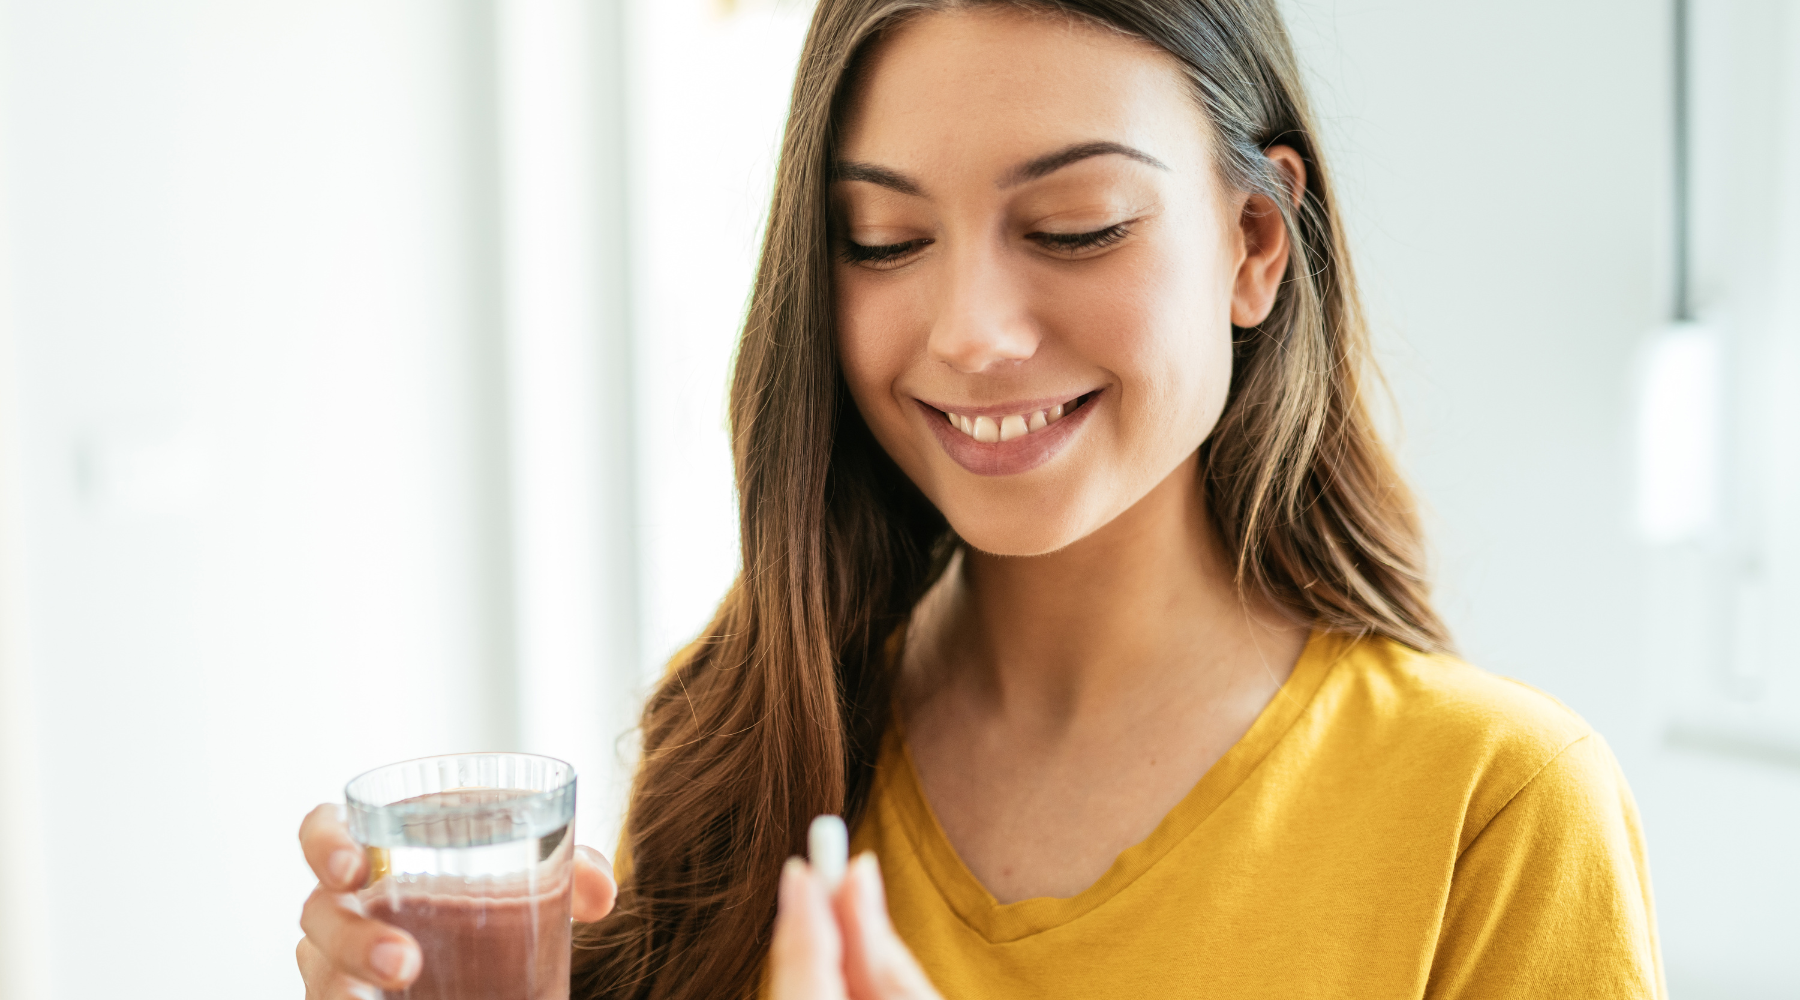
(1684,306)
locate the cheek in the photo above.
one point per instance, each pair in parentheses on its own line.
(1162,327)
(875,346)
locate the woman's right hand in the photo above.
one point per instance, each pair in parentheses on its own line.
(840,945)
(346,955)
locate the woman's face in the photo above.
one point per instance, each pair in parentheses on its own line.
(1037,270)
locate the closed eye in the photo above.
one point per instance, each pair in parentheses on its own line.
(1074,243)
(887,255)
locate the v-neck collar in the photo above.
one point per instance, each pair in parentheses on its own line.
(1001,922)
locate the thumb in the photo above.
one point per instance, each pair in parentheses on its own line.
(595,887)
(877,964)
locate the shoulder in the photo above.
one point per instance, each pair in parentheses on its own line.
(1432,696)
(1432,720)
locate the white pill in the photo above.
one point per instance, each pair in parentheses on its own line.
(828,849)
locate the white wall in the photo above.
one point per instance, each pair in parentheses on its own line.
(1724,786)
(709,93)
(260,541)
(570,416)
(23,881)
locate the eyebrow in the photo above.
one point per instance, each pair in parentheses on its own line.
(849,171)
(1050,163)
(1031,170)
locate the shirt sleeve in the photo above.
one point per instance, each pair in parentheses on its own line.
(1552,898)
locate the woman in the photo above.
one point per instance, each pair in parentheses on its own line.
(1076,578)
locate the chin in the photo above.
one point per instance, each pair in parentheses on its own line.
(1041,533)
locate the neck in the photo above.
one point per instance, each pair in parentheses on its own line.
(1144,608)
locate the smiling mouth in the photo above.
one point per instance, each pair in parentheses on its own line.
(989,430)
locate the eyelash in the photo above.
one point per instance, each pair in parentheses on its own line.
(857,253)
(1077,242)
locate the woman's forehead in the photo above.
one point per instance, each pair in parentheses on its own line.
(992,87)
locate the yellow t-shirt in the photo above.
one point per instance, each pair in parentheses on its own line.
(1392,825)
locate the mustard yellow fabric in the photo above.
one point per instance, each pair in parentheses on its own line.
(1392,825)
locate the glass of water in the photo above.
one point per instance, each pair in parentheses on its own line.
(473,854)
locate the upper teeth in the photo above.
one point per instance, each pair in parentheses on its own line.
(1007,428)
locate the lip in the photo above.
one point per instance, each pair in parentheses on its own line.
(1008,458)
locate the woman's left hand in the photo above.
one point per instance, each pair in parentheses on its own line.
(840,946)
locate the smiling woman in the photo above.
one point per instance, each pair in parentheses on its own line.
(1076,578)
(1090,289)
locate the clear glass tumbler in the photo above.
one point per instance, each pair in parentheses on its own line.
(473,854)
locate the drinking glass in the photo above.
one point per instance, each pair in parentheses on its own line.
(473,854)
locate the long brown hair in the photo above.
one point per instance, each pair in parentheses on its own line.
(775,715)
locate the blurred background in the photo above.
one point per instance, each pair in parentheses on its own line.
(362,371)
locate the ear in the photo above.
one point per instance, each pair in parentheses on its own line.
(1265,243)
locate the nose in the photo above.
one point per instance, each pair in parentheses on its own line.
(984,318)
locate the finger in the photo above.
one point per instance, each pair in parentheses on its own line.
(336,860)
(324,981)
(877,964)
(806,955)
(358,946)
(595,889)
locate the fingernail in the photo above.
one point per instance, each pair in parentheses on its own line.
(391,959)
(343,866)
(791,873)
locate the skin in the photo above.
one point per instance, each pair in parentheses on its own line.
(1090,647)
